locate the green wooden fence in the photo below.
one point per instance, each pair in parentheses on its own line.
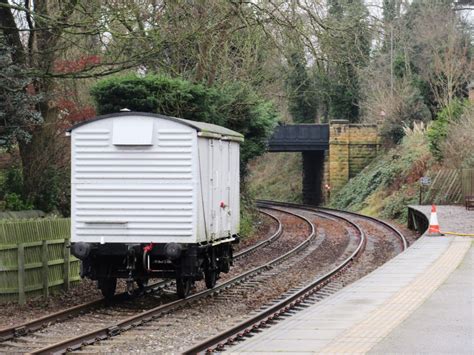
(445,187)
(450,186)
(34,258)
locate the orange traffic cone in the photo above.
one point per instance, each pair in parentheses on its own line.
(434,230)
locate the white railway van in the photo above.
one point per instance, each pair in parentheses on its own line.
(153,196)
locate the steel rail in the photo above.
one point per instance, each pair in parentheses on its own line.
(229,336)
(34,325)
(399,234)
(267,241)
(40,323)
(76,343)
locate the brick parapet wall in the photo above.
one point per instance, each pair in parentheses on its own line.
(351,148)
(339,137)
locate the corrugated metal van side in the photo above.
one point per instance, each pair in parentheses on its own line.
(133,193)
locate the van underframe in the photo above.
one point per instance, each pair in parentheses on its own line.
(186,263)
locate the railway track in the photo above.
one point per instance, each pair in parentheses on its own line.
(308,294)
(42,322)
(250,250)
(173,330)
(376,221)
(32,326)
(228,291)
(127,321)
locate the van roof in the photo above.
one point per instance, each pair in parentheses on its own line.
(205,129)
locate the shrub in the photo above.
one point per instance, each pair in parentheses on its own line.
(235,106)
(458,147)
(376,175)
(48,194)
(14,202)
(13,191)
(438,130)
(53,191)
(158,94)
(395,206)
(248,215)
(13,182)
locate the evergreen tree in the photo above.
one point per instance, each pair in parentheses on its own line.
(302,98)
(235,105)
(346,49)
(17,113)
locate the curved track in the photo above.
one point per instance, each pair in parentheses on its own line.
(112,329)
(299,298)
(395,231)
(271,239)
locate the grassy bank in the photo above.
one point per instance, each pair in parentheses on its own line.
(276,176)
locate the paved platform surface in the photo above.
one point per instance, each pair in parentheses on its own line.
(418,302)
(443,324)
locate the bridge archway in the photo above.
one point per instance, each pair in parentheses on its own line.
(312,140)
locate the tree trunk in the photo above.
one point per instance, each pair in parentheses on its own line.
(40,153)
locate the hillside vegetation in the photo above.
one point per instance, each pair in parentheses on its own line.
(276,176)
(390,183)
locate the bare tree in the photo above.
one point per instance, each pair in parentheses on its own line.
(440,49)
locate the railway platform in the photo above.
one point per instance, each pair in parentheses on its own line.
(421,301)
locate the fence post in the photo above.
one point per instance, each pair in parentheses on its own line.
(21,274)
(66,264)
(45,277)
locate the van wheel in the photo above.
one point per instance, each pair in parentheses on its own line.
(107,286)
(183,287)
(210,278)
(142,283)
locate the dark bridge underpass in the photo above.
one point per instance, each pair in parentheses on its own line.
(312,140)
